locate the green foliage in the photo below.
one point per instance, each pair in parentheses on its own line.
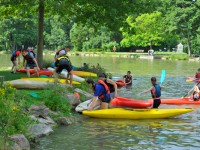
(147,30)
(95,69)
(53,99)
(177,56)
(13,118)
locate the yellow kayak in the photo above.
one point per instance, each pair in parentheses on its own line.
(84,74)
(49,80)
(121,113)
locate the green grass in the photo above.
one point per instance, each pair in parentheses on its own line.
(10,76)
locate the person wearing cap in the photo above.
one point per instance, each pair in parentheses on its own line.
(101,95)
(63,62)
(110,83)
(15,55)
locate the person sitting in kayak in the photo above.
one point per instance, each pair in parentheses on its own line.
(61,63)
(101,94)
(194,93)
(110,83)
(31,62)
(128,78)
(155,92)
(15,55)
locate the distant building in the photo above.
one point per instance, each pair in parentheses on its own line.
(179,48)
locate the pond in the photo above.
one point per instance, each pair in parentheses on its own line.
(181,132)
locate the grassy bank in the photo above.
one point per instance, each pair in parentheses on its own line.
(15,103)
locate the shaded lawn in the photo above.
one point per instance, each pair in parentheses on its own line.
(10,76)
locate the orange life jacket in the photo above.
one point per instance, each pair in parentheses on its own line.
(106,88)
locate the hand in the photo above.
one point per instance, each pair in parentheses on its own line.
(38,68)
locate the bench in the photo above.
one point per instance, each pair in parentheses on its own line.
(139,51)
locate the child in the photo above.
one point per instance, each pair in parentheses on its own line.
(128,78)
(13,58)
(155,92)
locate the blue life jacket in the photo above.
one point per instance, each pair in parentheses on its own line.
(157,92)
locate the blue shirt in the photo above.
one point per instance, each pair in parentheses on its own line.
(100,90)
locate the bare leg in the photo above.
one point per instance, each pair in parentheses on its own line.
(94,104)
(104,105)
(28,72)
(36,71)
(14,67)
(55,77)
(71,78)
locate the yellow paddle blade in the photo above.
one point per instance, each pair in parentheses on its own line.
(189,80)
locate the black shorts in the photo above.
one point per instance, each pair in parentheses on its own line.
(66,66)
(13,58)
(156,103)
(106,100)
(31,65)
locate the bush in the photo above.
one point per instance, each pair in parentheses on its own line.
(54,100)
(13,119)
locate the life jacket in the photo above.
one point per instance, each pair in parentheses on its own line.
(157,93)
(16,52)
(107,91)
(110,86)
(197,75)
(28,57)
(57,53)
(63,57)
(32,52)
(128,79)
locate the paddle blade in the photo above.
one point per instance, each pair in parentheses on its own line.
(162,78)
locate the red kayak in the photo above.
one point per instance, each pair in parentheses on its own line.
(120,83)
(179,101)
(126,102)
(41,72)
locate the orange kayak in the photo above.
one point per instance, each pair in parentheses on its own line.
(41,72)
(179,101)
(120,83)
(126,102)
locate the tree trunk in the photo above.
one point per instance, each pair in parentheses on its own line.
(40,32)
(188,45)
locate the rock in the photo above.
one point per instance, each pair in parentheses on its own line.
(39,111)
(86,94)
(47,121)
(64,121)
(73,100)
(39,130)
(21,142)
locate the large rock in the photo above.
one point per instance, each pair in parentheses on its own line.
(21,142)
(86,94)
(39,130)
(39,111)
(64,121)
(47,121)
(73,100)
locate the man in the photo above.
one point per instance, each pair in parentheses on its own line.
(63,62)
(128,78)
(101,95)
(31,62)
(15,55)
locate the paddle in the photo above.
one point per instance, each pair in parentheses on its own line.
(162,78)
(191,90)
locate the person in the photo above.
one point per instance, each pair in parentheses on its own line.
(15,55)
(155,92)
(63,62)
(128,78)
(197,74)
(62,52)
(111,85)
(194,92)
(31,62)
(101,95)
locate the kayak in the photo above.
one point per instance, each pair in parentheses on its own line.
(84,106)
(41,72)
(64,74)
(84,74)
(126,102)
(29,84)
(63,81)
(179,101)
(120,83)
(120,113)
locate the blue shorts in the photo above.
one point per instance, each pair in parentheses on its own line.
(30,65)
(106,100)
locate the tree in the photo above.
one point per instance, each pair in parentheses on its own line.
(146,30)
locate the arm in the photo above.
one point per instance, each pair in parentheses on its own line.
(148,90)
(129,81)
(24,62)
(114,84)
(35,61)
